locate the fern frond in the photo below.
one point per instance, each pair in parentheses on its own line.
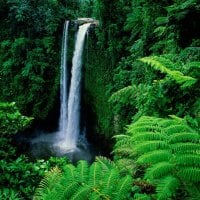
(121,136)
(109,182)
(82,171)
(66,190)
(177,129)
(190,174)
(138,196)
(82,193)
(95,174)
(125,151)
(192,65)
(193,191)
(144,147)
(166,66)
(124,141)
(94,195)
(184,137)
(188,160)
(145,128)
(123,188)
(154,157)
(167,122)
(167,188)
(188,147)
(126,165)
(70,172)
(148,136)
(159,170)
(105,163)
(51,178)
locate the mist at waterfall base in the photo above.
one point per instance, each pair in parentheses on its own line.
(70,138)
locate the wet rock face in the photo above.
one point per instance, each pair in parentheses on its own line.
(81,21)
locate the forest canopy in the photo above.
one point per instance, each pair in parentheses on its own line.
(140,96)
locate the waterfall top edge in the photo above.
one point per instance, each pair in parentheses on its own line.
(81,21)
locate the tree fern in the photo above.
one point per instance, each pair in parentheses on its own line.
(168,150)
(167,187)
(155,157)
(159,170)
(138,196)
(146,146)
(122,189)
(184,137)
(188,159)
(48,183)
(166,66)
(147,136)
(190,174)
(110,178)
(82,171)
(95,174)
(102,180)
(82,193)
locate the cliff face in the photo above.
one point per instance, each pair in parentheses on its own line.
(81,21)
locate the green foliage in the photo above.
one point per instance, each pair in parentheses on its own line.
(166,66)
(101,180)
(161,95)
(11,121)
(23,176)
(168,151)
(30,48)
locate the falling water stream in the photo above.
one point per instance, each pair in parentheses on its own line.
(63,84)
(70,116)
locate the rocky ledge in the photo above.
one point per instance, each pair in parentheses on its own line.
(81,21)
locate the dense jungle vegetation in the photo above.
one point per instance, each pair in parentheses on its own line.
(141,97)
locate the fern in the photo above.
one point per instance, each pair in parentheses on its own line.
(166,149)
(110,178)
(47,183)
(188,160)
(138,196)
(147,136)
(167,67)
(190,174)
(82,171)
(167,187)
(122,190)
(82,193)
(159,170)
(184,137)
(95,174)
(102,180)
(146,146)
(154,157)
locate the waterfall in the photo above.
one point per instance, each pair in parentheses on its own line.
(69,140)
(69,125)
(63,85)
(73,122)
